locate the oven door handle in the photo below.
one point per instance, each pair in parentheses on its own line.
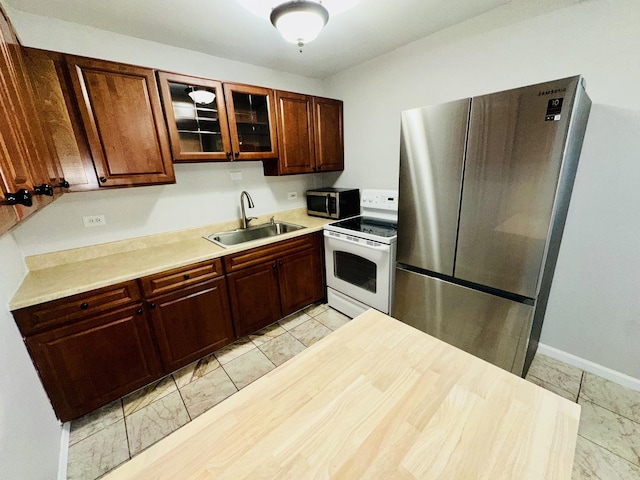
(362,244)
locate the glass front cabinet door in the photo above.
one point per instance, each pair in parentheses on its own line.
(252,121)
(196,117)
(211,122)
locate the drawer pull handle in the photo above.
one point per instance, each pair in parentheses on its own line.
(186,276)
(84,306)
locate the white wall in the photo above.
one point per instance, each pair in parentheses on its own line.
(594,309)
(29,432)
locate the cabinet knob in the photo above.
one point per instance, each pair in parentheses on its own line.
(103,179)
(84,306)
(280,262)
(236,155)
(229,154)
(152,305)
(186,276)
(64,184)
(21,197)
(44,189)
(274,265)
(139,311)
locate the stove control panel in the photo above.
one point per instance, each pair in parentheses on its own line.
(379,199)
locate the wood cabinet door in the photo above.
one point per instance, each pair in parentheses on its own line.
(122,116)
(191,323)
(329,134)
(90,363)
(15,135)
(295,134)
(252,121)
(255,297)
(301,280)
(199,131)
(60,119)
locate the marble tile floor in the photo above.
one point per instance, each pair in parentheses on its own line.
(608,446)
(111,435)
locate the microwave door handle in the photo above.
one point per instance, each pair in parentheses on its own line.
(326,204)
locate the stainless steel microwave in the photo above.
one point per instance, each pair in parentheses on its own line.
(333,202)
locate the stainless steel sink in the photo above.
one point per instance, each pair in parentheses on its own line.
(241,235)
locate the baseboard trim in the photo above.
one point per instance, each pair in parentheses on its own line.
(64,451)
(591,367)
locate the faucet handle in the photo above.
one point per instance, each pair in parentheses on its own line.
(272,220)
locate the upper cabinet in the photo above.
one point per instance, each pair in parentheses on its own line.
(29,172)
(211,121)
(198,126)
(60,117)
(295,134)
(252,121)
(329,134)
(122,117)
(310,135)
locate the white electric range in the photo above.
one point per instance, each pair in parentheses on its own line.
(360,255)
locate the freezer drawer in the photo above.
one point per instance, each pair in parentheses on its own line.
(490,327)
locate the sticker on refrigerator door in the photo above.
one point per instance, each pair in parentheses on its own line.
(554,107)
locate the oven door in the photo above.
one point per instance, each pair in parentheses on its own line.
(359,268)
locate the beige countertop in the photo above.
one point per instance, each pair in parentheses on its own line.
(375,399)
(61,274)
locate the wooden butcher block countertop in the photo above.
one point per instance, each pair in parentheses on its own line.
(375,399)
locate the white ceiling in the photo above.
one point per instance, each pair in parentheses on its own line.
(226,28)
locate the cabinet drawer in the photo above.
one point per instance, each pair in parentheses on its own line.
(258,255)
(59,312)
(181,277)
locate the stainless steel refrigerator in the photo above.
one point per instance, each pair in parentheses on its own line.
(485,184)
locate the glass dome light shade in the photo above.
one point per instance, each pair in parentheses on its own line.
(299,21)
(200,95)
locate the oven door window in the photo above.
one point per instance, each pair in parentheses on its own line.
(355,270)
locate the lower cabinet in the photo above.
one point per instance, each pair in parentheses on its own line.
(191,322)
(255,297)
(91,362)
(95,347)
(272,282)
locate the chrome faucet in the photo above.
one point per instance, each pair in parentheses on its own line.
(245,219)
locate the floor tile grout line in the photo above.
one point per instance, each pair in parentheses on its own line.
(184,403)
(549,383)
(582,377)
(636,422)
(610,451)
(157,382)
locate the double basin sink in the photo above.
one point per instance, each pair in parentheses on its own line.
(242,235)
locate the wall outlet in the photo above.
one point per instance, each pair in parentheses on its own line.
(292,195)
(94,221)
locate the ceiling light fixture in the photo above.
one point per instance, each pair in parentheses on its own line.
(200,95)
(299,21)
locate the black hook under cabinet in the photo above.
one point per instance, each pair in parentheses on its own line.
(21,197)
(44,189)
